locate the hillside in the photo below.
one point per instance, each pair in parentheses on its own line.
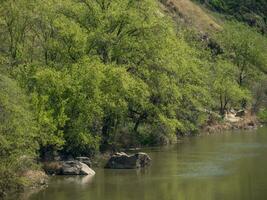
(254,13)
(79,78)
(190,14)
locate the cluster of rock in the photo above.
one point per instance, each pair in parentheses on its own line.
(241,119)
(85,160)
(79,166)
(234,117)
(82,165)
(124,161)
(76,168)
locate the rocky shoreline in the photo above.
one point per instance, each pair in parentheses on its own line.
(241,120)
(82,166)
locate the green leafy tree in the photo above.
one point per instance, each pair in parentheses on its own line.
(18,132)
(227,92)
(246,49)
(48,90)
(253,13)
(16,26)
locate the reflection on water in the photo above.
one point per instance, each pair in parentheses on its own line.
(205,169)
(229,166)
(79,180)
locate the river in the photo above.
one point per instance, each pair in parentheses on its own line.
(228,166)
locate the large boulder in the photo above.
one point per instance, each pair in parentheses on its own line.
(86,170)
(85,160)
(232,118)
(124,161)
(76,168)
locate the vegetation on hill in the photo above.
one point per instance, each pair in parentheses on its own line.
(254,13)
(17,135)
(78,77)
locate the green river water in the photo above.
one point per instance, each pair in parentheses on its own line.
(228,166)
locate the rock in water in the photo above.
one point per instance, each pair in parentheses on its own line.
(86,170)
(71,168)
(85,160)
(143,160)
(76,168)
(124,161)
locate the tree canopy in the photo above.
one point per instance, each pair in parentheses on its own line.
(82,76)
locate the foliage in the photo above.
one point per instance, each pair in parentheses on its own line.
(254,13)
(263,115)
(259,91)
(17,135)
(122,75)
(227,91)
(105,75)
(246,49)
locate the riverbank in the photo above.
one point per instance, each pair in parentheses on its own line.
(232,121)
(199,168)
(31,182)
(35,179)
(242,120)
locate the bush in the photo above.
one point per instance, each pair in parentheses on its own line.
(263,115)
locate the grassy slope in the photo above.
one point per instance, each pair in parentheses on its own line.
(192,15)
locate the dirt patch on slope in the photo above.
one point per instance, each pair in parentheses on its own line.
(191,14)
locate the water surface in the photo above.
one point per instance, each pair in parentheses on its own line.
(229,166)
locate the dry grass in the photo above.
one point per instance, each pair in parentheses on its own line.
(35,177)
(193,15)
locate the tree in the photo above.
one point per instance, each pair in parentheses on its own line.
(18,132)
(17,38)
(246,49)
(253,13)
(226,90)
